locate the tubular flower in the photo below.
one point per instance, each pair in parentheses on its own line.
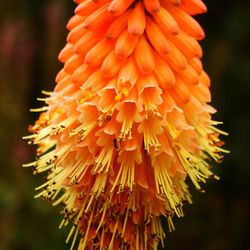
(127,123)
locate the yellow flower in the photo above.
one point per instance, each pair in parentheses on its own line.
(127,122)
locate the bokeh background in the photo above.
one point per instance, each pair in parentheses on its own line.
(32,32)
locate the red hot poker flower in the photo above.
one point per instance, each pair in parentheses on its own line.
(127,122)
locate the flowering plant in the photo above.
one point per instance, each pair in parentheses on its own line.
(127,122)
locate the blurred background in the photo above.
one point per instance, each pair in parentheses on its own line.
(31,35)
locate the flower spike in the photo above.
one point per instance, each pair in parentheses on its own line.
(127,123)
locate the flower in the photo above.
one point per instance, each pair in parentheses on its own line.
(128,122)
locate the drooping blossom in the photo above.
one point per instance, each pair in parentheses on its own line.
(127,123)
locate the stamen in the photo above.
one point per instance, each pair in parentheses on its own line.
(39,109)
(103,160)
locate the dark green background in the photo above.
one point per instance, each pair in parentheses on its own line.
(32,32)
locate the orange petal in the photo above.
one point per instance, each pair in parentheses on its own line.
(81,74)
(136,20)
(150,93)
(163,73)
(88,113)
(128,73)
(75,21)
(187,45)
(63,83)
(166,145)
(117,7)
(175,58)
(128,111)
(61,74)
(180,92)
(117,26)
(201,92)
(166,21)
(196,64)
(73,63)
(156,37)
(111,65)
(142,176)
(193,7)
(95,81)
(86,42)
(189,75)
(125,44)
(66,53)
(76,33)
(187,23)
(152,5)
(144,56)
(138,217)
(85,8)
(98,19)
(204,78)
(96,54)
(107,99)
(168,103)
(112,128)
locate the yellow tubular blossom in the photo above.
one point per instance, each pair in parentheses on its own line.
(127,123)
